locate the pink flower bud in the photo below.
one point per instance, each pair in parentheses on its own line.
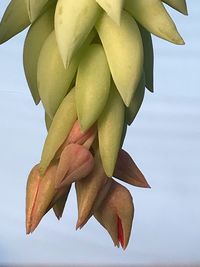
(75,163)
(116,214)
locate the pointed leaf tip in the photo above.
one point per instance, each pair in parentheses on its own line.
(127,171)
(120,232)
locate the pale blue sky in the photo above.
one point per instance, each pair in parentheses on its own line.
(164,141)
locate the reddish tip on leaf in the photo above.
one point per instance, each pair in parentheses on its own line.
(120,232)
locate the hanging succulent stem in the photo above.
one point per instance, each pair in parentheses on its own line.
(89,63)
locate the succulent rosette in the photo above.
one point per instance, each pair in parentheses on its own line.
(89,62)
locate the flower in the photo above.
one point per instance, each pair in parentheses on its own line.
(115,214)
(88,190)
(76,161)
(79,160)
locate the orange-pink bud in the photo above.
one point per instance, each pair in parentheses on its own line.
(41,195)
(88,190)
(76,136)
(116,214)
(75,163)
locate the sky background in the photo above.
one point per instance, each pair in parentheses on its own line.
(164,141)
